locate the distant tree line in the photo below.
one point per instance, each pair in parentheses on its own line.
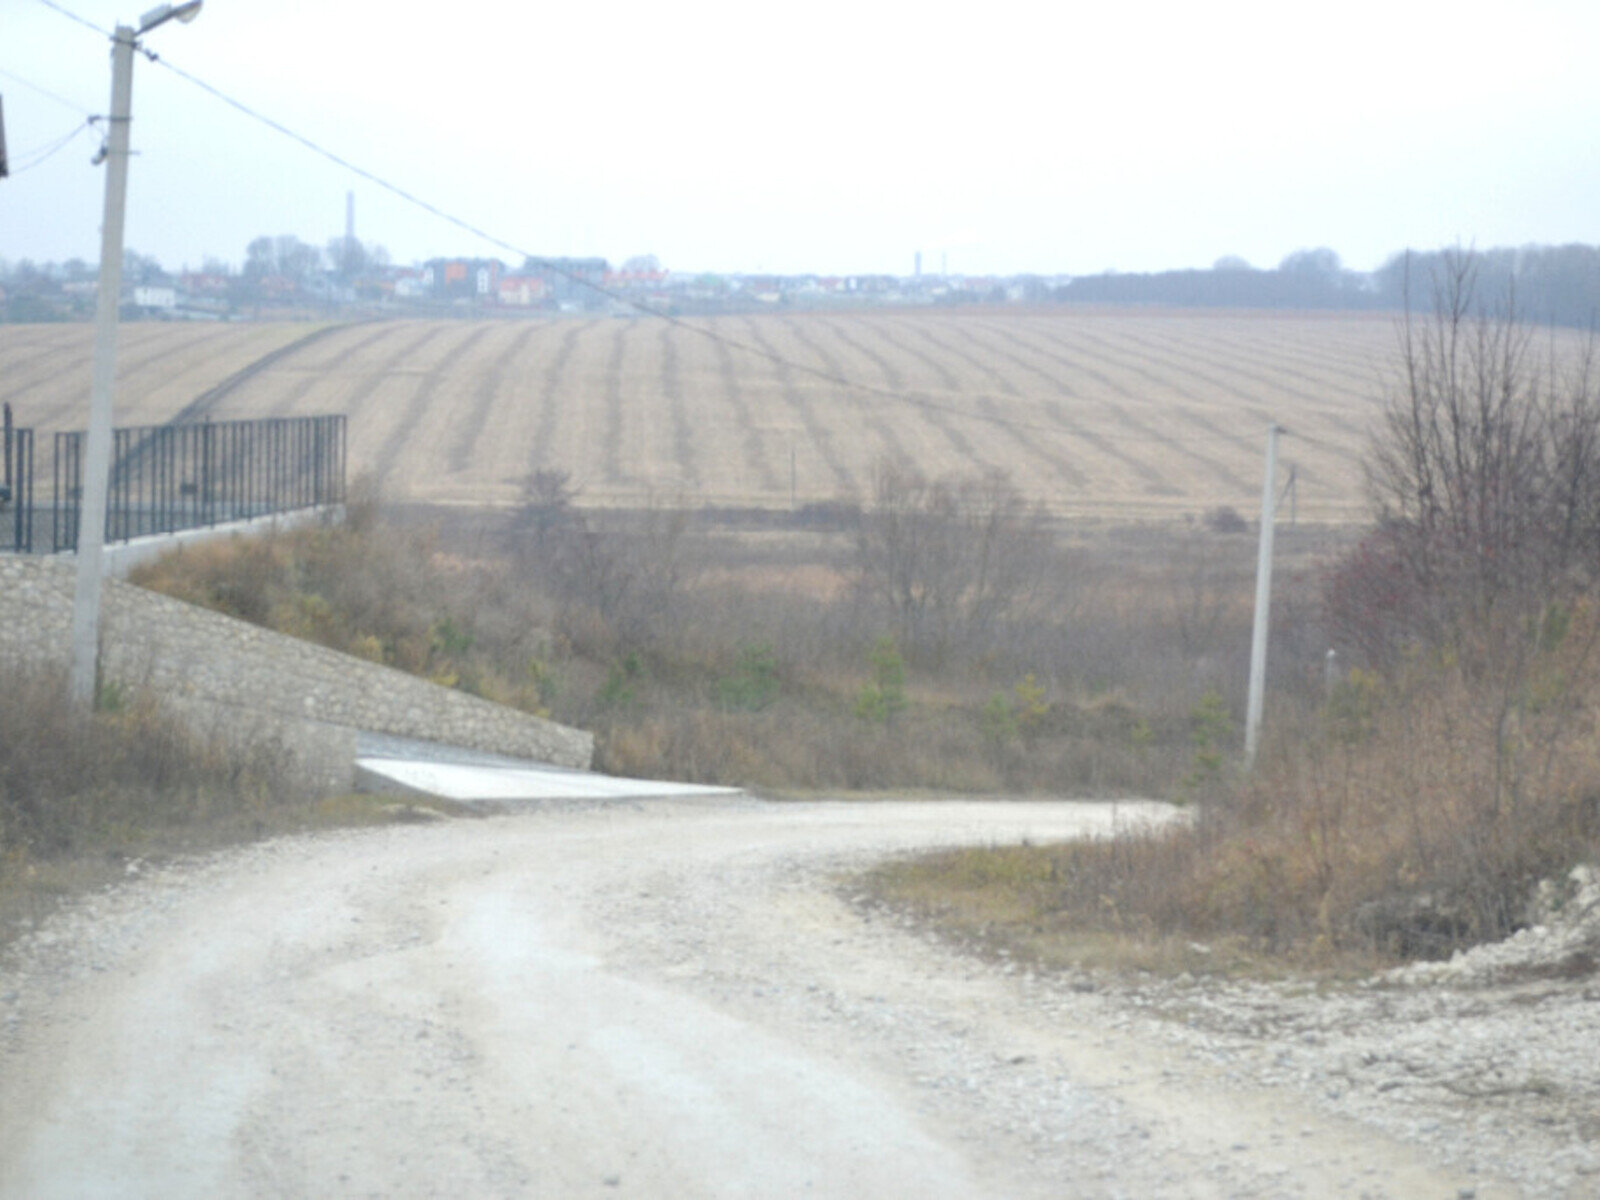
(1557,285)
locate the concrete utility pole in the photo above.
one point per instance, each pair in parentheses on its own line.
(96,470)
(1258,640)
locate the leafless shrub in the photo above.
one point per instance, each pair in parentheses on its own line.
(1485,474)
(948,560)
(1486,479)
(1226,519)
(629,575)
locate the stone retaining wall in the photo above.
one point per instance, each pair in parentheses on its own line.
(240,681)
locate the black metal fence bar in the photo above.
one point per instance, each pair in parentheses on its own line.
(167,478)
(67,492)
(16,490)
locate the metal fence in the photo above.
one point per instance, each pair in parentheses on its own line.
(16,487)
(166,478)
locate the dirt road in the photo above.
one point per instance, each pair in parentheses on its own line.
(664,999)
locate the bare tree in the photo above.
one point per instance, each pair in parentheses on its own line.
(631,576)
(1485,475)
(948,558)
(1486,469)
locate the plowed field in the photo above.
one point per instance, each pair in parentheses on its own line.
(1114,414)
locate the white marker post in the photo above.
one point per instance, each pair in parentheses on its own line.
(1258,640)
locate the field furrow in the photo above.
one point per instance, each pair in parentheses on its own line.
(55,395)
(889,331)
(1332,379)
(551,382)
(1102,386)
(360,386)
(1070,410)
(1255,389)
(466,447)
(1232,399)
(439,385)
(683,439)
(978,362)
(894,447)
(819,437)
(308,375)
(35,359)
(1137,413)
(757,461)
(945,417)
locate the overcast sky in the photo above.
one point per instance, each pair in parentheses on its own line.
(827,136)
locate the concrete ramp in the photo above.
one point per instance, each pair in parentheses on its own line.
(407,766)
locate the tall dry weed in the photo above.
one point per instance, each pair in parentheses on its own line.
(72,781)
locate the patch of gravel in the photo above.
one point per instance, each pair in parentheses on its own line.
(98,932)
(1487,1062)
(1489,1059)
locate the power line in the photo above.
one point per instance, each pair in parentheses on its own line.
(72,16)
(555,268)
(546,264)
(44,91)
(29,159)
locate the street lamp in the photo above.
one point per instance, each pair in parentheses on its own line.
(96,473)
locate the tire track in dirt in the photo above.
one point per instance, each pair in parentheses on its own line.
(549,410)
(483,397)
(683,444)
(421,401)
(379,375)
(894,447)
(73,357)
(1136,428)
(940,418)
(821,436)
(202,405)
(755,456)
(286,405)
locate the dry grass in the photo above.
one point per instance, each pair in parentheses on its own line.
(1385,826)
(1005,902)
(84,798)
(1117,415)
(663,680)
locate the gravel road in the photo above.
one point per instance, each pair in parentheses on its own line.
(676,999)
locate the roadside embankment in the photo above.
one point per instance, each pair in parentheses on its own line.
(244,683)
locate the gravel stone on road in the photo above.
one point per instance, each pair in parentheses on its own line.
(679,998)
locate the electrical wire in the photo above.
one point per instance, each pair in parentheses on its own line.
(72,16)
(29,159)
(554,267)
(44,91)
